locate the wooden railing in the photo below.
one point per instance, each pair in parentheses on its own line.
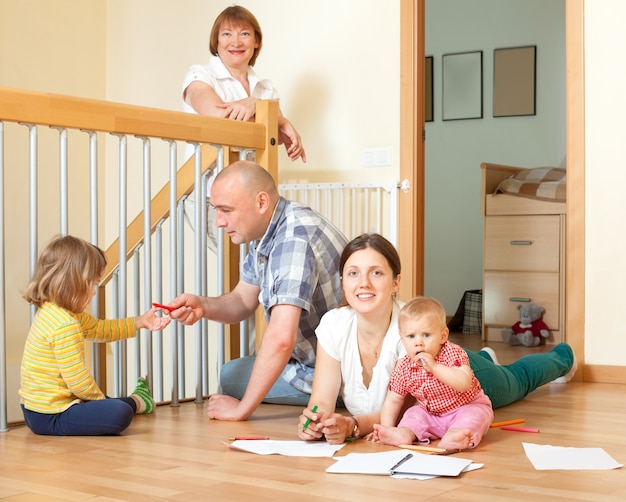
(25,168)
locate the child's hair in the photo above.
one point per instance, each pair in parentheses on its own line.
(421,306)
(66,272)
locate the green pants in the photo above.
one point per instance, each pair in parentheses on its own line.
(512,382)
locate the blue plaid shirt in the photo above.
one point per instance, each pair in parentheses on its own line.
(296,263)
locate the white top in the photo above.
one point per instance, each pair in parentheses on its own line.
(227,87)
(337,334)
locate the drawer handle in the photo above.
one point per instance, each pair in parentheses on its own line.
(521,243)
(518,299)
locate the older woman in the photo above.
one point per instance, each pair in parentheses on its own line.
(227,86)
(359,345)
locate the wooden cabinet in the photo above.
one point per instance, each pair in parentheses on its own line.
(523,256)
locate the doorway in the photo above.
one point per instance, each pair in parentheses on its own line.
(410,244)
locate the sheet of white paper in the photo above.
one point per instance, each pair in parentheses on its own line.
(419,466)
(546,457)
(288,448)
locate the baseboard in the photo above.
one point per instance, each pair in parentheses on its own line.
(14,412)
(604,374)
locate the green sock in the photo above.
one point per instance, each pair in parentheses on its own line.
(142,391)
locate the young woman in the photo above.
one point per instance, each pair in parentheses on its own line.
(359,345)
(59,396)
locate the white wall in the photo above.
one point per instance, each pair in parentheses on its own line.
(605,205)
(53,46)
(455,149)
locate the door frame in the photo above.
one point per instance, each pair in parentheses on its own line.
(412,169)
(411,202)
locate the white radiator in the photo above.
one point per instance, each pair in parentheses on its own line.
(355,208)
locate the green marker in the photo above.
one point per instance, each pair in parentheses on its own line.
(308,420)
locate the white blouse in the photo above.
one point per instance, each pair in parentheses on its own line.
(337,334)
(227,87)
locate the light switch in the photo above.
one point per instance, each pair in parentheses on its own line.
(376,157)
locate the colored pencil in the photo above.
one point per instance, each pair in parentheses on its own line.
(423,449)
(507,422)
(247,438)
(518,429)
(308,420)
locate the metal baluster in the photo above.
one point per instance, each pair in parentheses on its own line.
(120,377)
(147,254)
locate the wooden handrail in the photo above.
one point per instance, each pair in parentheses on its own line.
(56,110)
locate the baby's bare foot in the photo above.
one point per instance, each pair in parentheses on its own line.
(457,439)
(394,436)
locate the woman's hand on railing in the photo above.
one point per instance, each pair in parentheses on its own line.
(288,136)
(150,320)
(243,109)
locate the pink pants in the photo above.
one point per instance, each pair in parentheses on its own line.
(476,416)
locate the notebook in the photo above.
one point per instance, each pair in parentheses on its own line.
(400,462)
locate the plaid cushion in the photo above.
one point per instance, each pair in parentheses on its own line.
(543,183)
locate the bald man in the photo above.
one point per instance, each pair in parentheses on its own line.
(292,269)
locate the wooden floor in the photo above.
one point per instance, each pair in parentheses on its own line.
(176,454)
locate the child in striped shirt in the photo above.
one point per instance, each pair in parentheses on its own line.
(59,396)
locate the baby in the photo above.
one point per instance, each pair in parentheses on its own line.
(450,402)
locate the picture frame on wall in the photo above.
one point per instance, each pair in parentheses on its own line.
(462,85)
(428,88)
(514,81)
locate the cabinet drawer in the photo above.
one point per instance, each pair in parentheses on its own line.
(504,291)
(522,243)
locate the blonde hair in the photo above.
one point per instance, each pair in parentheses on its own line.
(421,306)
(67,269)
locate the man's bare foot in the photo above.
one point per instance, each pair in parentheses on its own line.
(457,439)
(394,436)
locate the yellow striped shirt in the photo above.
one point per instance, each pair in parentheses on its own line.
(54,374)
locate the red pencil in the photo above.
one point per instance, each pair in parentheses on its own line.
(518,429)
(165,307)
(247,438)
